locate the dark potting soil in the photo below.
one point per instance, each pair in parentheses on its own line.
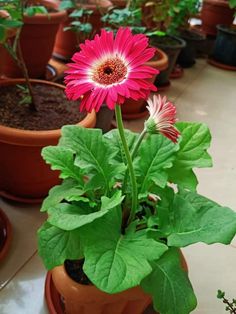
(164,40)
(75,270)
(53,108)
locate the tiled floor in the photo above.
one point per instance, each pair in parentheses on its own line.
(204,94)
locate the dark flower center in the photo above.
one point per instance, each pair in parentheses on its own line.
(111,71)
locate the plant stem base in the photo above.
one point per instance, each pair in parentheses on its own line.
(55,303)
(5,234)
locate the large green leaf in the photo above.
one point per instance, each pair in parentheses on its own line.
(198,219)
(70,217)
(56,245)
(67,189)
(62,158)
(114,261)
(195,140)
(93,153)
(169,285)
(113,139)
(156,155)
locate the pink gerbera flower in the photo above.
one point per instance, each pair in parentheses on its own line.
(109,70)
(162,118)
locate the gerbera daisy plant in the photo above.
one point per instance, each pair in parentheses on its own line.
(128,202)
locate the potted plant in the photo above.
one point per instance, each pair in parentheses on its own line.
(157,18)
(180,13)
(40,23)
(83,21)
(31,115)
(131,16)
(224,50)
(216,12)
(129,202)
(230,306)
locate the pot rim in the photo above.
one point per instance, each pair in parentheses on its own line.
(32,137)
(50,18)
(225,29)
(162,62)
(181,43)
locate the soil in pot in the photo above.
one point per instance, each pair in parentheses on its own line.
(171,45)
(215,12)
(24,174)
(224,50)
(188,54)
(53,109)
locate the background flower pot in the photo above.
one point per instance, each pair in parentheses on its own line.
(137,109)
(188,54)
(104,119)
(172,46)
(88,299)
(37,40)
(215,12)
(119,3)
(66,43)
(24,174)
(225,46)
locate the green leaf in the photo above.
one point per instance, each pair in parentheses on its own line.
(70,217)
(156,155)
(198,219)
(195,140)
(113,139)
(56,245)
(66,4)
(93,153)
(32,10)
(169,285)
(67,189)
(114,261)
(77,13)
(62,158)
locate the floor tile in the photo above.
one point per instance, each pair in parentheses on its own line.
(25,220)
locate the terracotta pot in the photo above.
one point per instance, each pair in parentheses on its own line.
(89,300)
(136,109)
(24,174)
(66,43)
(37,40)
(215,12)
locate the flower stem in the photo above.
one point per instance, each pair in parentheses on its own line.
(129,163)
(133,154)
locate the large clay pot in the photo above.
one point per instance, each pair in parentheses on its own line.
(66,43)
(24,175)
(215,12)
(119,3)
(87,299)
(37,40)
(136,109)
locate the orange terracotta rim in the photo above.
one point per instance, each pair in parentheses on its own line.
(221,65)
(53,298)
(37,138)
(7,234)
(50,18)
(15,198)
(161,63)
